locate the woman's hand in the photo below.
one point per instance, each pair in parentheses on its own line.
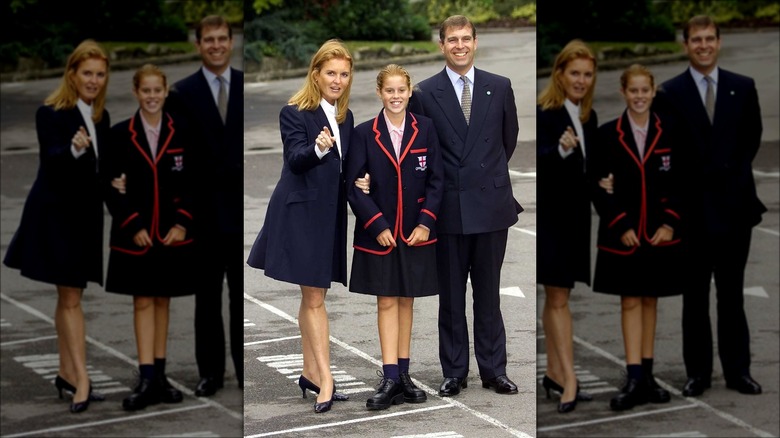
(120,184)
(81,139)
(142,238)
(324,140)
(364,183)
(569,139)
(419,234)
(608,184)
(175,234)
(385,238)
(664,233)
(629,238)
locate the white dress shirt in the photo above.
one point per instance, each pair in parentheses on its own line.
(574,113)
(330,113)
(213,82)
(701,83)
(457,83)
(86,112)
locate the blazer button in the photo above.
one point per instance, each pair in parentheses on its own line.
(483,188)
(482,165)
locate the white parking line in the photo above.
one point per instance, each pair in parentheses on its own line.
(523,230)
(268,341)
(25,341)
(618,418)
(378,363)
(353,421)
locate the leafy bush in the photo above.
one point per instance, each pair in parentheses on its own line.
(527,11)
(771,11)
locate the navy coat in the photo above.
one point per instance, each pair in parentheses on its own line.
(477,189)
(563,201)
(304,237)
(60,237)
(404,192)
(158,196)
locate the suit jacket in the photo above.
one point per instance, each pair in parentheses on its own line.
(157,195)
(718,161)
(477,189)
(304,237)
(563,200)
(405,192)
(217,158)
(60,237)
(645,192)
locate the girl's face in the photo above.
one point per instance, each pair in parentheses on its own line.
(333,79)
(639,94)
(395,94)
(90,78)
(151,94)
(577,78)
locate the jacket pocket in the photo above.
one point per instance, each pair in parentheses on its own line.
(501,180)
(302,196)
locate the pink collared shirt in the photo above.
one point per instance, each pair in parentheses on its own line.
(152,134)
(396,134)
(640,135)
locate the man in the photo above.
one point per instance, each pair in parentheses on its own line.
(721,108)
(477,126)
(218,117)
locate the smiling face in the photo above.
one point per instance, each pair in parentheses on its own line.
(395,94)
(459,47)
(215,47)
(577,78)
(703,46)
(90,78)
(333,79)
(638,93)
(151,94)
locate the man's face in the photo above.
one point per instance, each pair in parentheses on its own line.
(459,48)
(215,47)
(702,47)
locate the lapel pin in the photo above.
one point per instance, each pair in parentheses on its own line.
(732,92)
(488,93)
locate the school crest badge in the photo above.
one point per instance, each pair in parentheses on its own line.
(422,162)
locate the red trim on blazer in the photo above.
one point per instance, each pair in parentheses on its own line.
(418,151)
(371,221)
(614,221)
(129,218)
(663,151)
(141,251)
(673,213)
(617,251)
(421,200)
(429,213)
(184,212)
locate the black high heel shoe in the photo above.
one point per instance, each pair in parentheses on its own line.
(549,384)
(62,384)
(305,384)
(325,406)
(80,406)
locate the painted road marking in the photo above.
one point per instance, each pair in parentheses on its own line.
(513,291)
(586,379)
(450,434)
(757,291)
(291,365)
(693,433)
(447,400)
(268,341)
(248,323)
(617,418)
(4,323)
(48,365)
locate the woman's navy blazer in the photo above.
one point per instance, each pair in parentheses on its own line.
(404,192)
(60,237)
(304,237)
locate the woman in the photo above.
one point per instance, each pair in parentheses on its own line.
(304,237)
(395,232)
(150,245)
(566,128)
(639,224)
(60,238)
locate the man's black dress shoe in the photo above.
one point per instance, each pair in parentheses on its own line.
(208,386)
(388,393)
(412,394)
(656,394)
(168,394)
(147,392)
(501,383)
(744,384)
(451,386)
(695,386)
(634,393)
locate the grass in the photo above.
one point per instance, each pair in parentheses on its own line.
(428,46)
(178,46)
(664,46)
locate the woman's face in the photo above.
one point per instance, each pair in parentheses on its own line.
(90,78)
(639,93)
(577,78)
(151,94)
(333,79)
(395,94)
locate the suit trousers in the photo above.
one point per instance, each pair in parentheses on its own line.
(480,255)
(222,257)
(724,256)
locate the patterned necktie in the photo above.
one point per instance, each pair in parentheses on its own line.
(709,99)
(222,99)
(465,99)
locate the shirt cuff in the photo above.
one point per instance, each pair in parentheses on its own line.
(319,153)
(77,153)
(564,153)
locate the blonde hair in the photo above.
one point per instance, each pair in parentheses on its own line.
(392,70)
(148,70)
(636,70)
(309,96)
(553,95)
(66,95)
